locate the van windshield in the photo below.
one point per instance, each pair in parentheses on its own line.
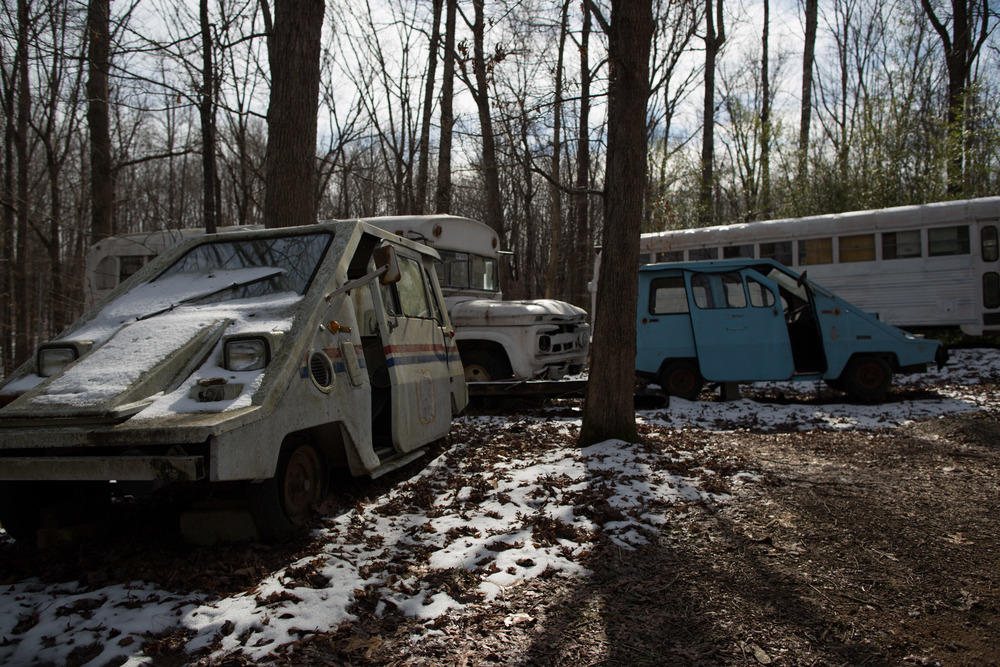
(463,270)
(253,267)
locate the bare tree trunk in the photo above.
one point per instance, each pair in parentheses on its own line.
(442,193)
(7,234)
(609,411)
(961,49)
(290,172)
(765,121)
(555,195)
(425,123)
(582,252)
(102,186)
(481,95)
(22,294)
(206,108)
(714,39)
(805,116)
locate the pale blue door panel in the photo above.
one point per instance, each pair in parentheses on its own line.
(739,327)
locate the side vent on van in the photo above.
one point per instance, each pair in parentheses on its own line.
(321,371)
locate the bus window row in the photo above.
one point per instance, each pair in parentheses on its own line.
(934,242)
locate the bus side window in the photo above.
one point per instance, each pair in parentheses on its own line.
(129,264)
(699,254)
(900,245)
(989,244)
(670,256)
(106,273)
(780,252)
(948,241)
(667,296)
(738,251)
(991,290)
(815,251)
(857,248)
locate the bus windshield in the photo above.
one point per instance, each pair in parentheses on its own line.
(463,270)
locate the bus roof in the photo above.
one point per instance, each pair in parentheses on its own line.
(886,219)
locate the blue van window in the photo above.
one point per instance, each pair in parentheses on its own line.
(667,296)
(732,285)
(718,290)
(760,296)
(701,291)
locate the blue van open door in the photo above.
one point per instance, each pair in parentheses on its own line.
(741,330)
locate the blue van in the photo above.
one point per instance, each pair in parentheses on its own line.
(749,320)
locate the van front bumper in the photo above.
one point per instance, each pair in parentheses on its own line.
(168,468)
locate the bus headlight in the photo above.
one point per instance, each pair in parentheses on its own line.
(544,343)
(245,354)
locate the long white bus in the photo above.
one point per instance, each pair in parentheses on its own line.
(932,265)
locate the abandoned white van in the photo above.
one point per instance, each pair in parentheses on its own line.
(259,359)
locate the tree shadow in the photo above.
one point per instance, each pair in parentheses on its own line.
(712,596)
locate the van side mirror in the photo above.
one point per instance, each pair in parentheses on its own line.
(385,256)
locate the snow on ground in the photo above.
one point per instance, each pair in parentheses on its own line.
(469,527)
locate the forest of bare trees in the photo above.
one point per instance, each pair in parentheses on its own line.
(140,116)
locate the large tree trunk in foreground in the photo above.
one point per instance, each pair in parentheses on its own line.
(609,411)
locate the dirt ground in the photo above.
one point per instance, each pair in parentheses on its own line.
(852,548)
(861,548)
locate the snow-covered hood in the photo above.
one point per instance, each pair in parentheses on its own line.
(143,346)
(141,359)
(477,312)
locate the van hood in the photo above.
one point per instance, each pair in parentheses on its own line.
(140,360)
(476,312)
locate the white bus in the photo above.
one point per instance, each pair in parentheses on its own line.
(110,261)
(932,265)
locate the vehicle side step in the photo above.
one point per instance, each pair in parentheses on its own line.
(398,462)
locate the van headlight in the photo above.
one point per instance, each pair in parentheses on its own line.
(246,354)
(54,357)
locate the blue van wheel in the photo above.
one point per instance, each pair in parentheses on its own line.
(682,379)
(866,378)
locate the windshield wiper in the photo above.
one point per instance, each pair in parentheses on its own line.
(199,297)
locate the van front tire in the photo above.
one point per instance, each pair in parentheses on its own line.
(866,378)
(280,506)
